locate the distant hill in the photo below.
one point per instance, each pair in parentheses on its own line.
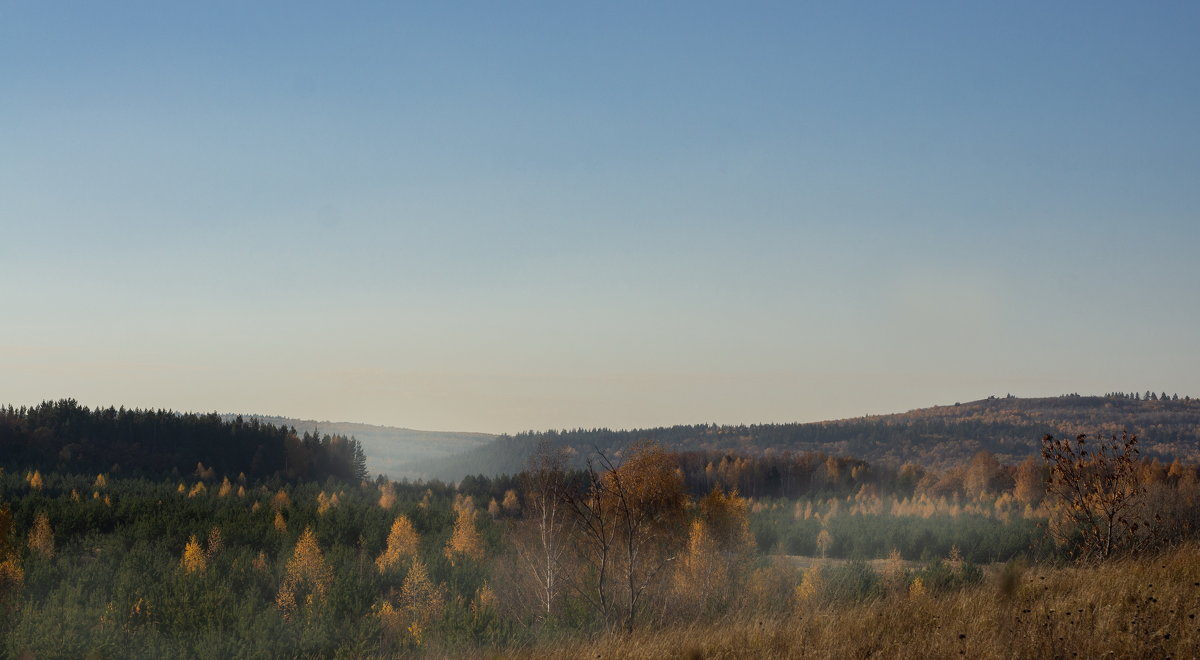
(941,436)
(390,450)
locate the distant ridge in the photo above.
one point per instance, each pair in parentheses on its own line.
(939,436)
(390,450)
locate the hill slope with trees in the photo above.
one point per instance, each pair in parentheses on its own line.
(1168,427)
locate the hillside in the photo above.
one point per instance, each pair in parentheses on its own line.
(389,449)
(940,436)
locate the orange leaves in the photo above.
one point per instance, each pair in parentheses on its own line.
(402,541)
(41,537)
(727,516)
(465,541)
(387,496)
(193,560)
(307,574)
(12,581)
(511,505)
(421,602)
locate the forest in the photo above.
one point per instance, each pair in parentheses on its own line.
(246,540)
(1167,425)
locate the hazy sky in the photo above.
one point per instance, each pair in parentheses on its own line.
(508,215)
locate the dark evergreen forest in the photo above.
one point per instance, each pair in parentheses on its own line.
(63,436)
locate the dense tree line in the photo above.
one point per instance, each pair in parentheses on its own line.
(942,436)
(223,564)
(62,436)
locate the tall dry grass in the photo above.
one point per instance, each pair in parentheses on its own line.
(1139,608)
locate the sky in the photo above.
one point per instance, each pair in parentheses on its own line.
(508,216)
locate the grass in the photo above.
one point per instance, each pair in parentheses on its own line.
(1133,608)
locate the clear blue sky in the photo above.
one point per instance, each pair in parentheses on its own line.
(502,216)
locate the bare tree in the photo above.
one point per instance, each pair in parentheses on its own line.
(1094,494)
(594,532)
(540,536)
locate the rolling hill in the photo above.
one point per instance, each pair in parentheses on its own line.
(939,436)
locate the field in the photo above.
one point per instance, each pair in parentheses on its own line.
(1138,608)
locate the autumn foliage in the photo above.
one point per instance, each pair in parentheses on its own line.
(402,542)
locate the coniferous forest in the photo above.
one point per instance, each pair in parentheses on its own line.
(130,533)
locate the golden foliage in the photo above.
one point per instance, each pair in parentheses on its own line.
(493,509)
(198,489)
(824,541)
(420,603)
(41,537)
(226,488)
(895,575)
(511,504)
(75,496)
(387,495)
(281,500)
(35,480)
(325,502)
(280,523)
(402,542)
(702,575)
(193,560)
(215,542)
(181,489)
(916,590)
(810,585)
(12,581)
(307,573)
(100,482)
(241,492)
(727,516)
(1030,485)
(465,541)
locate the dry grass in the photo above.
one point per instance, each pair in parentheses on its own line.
(1127,609)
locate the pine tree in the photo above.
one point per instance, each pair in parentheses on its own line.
(465,541)
(193,560)
(512,505)
(41,537)
(307,574)
(420,599)
(215,543)
(402,541)
(387,496)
